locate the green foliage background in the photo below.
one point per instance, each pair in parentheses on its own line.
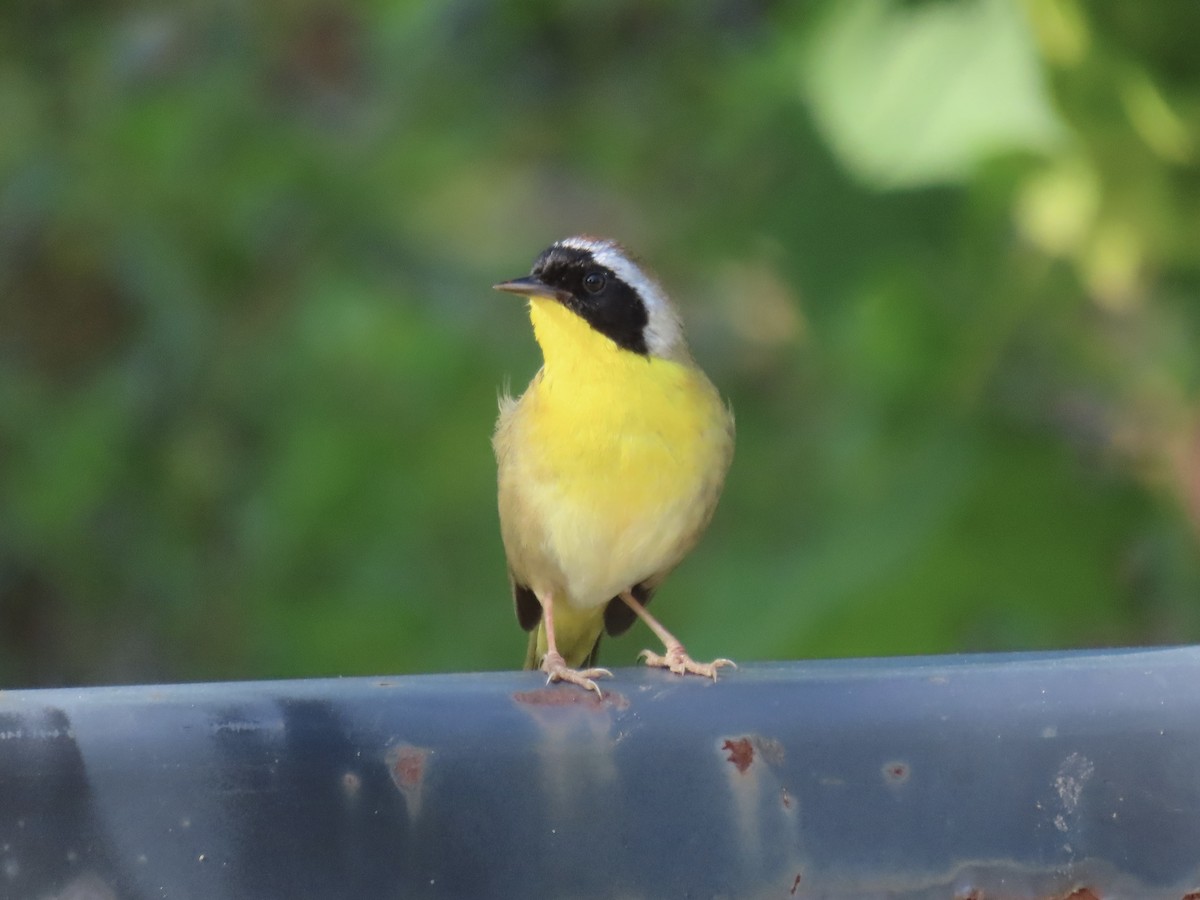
(942,256)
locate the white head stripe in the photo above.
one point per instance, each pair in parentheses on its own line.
(664,334)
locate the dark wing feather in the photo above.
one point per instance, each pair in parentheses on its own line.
(618,617)
(529,610)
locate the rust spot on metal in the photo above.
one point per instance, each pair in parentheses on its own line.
(787,800)
(408,766)
(796,884)
(1191,895)
(572,697)
(896,772)
(743,750)
(741,753)
(1083,893)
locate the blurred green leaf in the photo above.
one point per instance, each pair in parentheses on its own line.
(912,95)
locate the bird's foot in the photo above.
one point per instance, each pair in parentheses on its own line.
(677,660)
(556,669)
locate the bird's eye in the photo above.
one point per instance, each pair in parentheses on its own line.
(593,282)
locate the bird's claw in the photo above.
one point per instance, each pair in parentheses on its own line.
(677,660)
(556,669)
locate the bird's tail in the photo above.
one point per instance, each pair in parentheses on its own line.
(532,659)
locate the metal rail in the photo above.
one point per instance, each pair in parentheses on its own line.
(1072,775)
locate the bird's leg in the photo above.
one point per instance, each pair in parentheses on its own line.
(676,658)
(555,666)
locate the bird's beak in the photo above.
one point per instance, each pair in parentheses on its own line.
(531,287)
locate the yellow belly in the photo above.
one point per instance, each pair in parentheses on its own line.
(610,466)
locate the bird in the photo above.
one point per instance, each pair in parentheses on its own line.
(609,465)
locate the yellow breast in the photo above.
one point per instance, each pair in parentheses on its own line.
(610,464)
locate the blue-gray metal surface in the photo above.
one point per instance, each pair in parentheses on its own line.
(1063,775)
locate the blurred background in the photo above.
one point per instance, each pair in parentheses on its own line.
(942,257)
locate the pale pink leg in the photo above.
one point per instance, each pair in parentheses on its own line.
(676,658)
(555,666)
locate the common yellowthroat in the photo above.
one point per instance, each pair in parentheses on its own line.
(611,462)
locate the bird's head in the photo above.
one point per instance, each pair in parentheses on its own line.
(596,280)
